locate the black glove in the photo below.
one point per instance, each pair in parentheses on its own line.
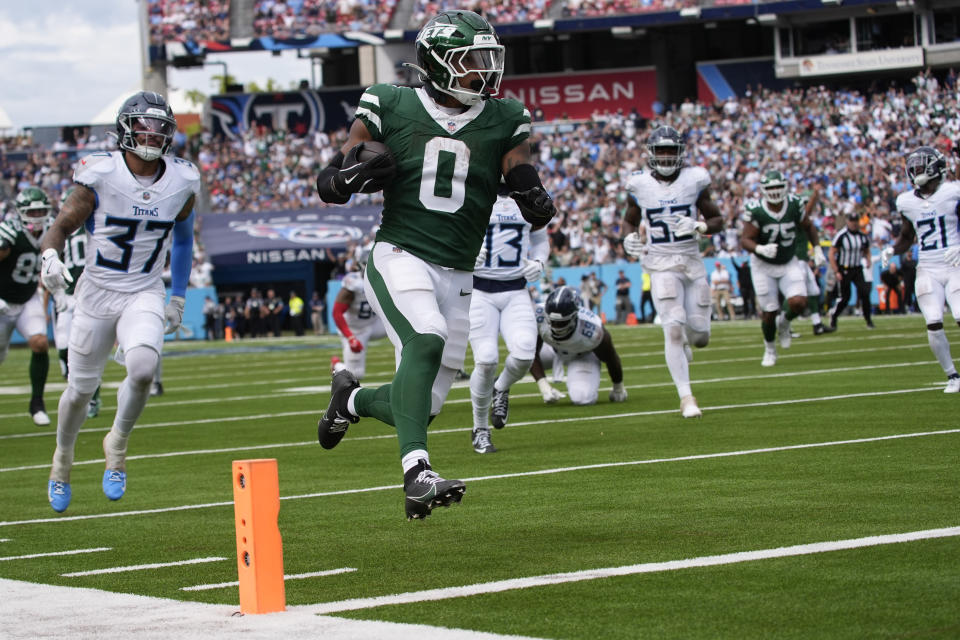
(356,176)
(536,205)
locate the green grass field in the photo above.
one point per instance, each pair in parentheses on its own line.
(848,437)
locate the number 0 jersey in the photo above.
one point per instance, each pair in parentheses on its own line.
(131,228)
(663,203)
(20,270)
(934,220)
(779,227)
(448,167)
(359,315)
(585,338)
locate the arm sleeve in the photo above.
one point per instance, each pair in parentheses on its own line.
(181,256)
(339,308)
(539,246)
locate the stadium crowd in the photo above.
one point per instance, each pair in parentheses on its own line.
(852,144)
(183,20)
(285,19)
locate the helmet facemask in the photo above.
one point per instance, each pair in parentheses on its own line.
(456,45)
(774,188)
(148,133)
(34,209)
(665,158)
(925,165)
(562,310)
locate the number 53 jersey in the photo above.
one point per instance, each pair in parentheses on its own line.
(662,204)
(131,228)
(934,220)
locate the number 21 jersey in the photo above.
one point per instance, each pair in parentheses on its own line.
(934,220)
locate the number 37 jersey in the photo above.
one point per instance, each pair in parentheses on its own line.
(934,220)
(131,228)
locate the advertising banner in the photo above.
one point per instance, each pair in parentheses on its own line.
(577,96)
(866,61)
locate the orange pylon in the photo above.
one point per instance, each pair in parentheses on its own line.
(256,505)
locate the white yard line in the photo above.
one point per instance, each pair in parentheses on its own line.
(140,567)
(464,384)
(633,569)
(294,576)
(71,552)
(520,474)
(174,454)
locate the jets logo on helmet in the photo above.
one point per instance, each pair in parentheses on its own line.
(145,125)
(562,309)
(665,148)
(774,187)
(454,45)
(924,165)
(34,209)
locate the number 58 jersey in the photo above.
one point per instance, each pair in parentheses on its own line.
(934,220)
(584,339)
(131,228)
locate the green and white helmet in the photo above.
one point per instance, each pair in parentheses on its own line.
(34,209)
(774,187)
(455,44)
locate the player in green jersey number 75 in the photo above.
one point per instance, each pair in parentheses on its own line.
(450,141)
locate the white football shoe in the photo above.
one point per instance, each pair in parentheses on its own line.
(953,385)
(769,358)
(689,408)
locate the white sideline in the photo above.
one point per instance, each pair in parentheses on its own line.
(649,567)
(519,474)
(41,611)
(140,567)
(70,552)
(292,576)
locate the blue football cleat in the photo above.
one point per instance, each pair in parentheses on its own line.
(114,483)
(58,493)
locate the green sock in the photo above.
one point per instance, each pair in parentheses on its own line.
(39,367)
(791,315)
(405,402)
(769,330)
(813,304)
(96,395)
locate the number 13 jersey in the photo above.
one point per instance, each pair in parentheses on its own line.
(934,220)
(448,168)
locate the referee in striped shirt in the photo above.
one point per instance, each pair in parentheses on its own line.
(849,246)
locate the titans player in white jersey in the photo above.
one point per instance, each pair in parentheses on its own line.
(666,200)
(513,254)
(574,335)
(133,204)
(356,320)
(929,214)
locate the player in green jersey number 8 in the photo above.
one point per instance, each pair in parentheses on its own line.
(452,141)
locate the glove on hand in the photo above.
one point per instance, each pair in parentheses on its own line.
(173,313)
(550,395)
(767,250)
(355,345)
(688,227)
(536,205)
(532,269)
(53,273)
(634,246)
(618,393)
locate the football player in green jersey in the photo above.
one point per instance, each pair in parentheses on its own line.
(21,304)
(74,254)
(770,235)
(451,141)
(813,285)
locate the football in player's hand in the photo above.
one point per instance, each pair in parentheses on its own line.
(379,165)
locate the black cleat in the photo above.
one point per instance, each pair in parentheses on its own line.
(501,408)
(481,441)
(335,420)
(425,491)
(819,329)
